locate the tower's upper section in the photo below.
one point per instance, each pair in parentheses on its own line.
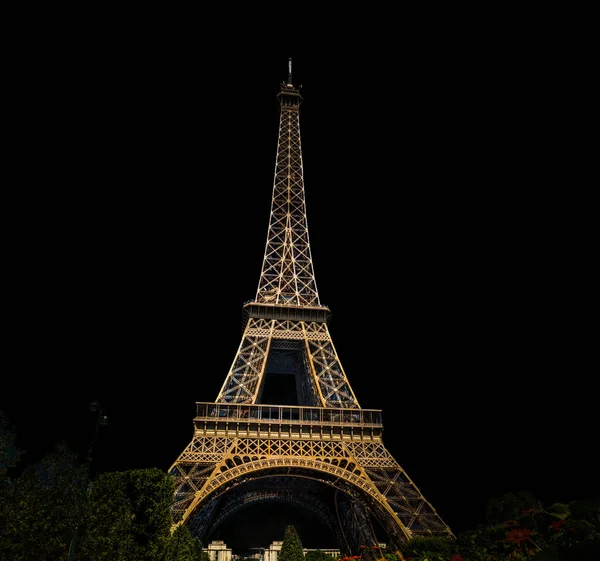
(287,278)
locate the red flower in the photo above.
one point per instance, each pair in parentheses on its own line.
(557,524)
(518,535)
(457,557)
(529,511)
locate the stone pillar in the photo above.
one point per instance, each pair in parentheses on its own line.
(218,551)
(273,551)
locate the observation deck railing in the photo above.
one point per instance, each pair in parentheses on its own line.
(262,413)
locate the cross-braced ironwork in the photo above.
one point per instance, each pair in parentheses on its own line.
(286,425)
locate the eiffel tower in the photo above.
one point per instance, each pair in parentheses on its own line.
(286,425)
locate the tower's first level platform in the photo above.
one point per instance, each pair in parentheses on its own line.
(284,421)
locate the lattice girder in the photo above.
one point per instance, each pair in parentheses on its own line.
(244,379)
(287,276)
(400,491)
(247,457)
(325,435)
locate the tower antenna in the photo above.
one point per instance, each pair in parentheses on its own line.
(290,71)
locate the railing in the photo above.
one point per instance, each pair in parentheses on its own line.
(289,414)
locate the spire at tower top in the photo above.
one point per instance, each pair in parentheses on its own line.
(289,71)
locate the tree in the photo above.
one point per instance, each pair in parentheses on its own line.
(291,548)
(9,453)
(183,546)
(509,506)
(42,503)
(317,555)
(429,547)
(119,516)
(9,457)
(128,516)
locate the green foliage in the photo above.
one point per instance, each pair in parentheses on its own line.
(421,544)
(291,548)
(125,516)
(509,506)
(558,510)
(317,555)
(431,548)
(128,516)
(43,505)
(560,532)
(182,546)
(9,457)
(9,453)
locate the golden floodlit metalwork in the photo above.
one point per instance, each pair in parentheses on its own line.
(318,449)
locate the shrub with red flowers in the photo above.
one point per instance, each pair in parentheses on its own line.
(559,532)
(518,535)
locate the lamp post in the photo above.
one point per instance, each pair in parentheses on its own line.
(101,420)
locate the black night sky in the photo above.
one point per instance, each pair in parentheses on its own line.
(449,226)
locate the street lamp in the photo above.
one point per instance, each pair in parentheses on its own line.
(101,420)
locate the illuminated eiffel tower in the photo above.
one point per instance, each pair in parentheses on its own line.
(286,425)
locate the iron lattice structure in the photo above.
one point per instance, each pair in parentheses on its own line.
(286,425)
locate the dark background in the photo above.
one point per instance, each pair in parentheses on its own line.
(450,220)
